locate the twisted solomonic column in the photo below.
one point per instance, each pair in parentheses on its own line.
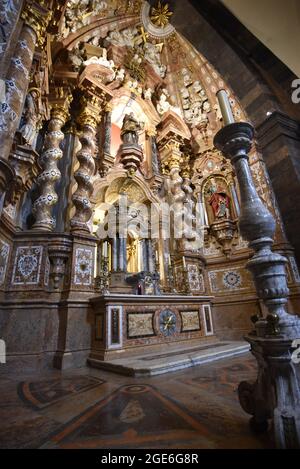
(174,161)
(182,202)
(89,119)
(35,18)
(50,174)
(193,239)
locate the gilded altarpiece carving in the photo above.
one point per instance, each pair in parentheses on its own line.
(107,65)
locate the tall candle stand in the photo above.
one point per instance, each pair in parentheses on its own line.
(275,394)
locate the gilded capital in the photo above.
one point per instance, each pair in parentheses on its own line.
(59,112)
(88,118)
(151,132)
(91,110)
(173,145)
(174,161)
(185,167)
(186,172)
(60,104)
(36,15)
(108,107)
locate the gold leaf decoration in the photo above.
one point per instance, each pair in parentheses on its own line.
(160,15)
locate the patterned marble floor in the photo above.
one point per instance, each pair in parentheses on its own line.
(87,408)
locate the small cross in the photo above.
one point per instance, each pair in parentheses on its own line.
(144,36)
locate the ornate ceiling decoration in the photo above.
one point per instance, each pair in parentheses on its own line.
(134,46)
(156,20)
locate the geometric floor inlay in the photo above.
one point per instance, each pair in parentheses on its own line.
(190,409)
(41,394)
(136,414)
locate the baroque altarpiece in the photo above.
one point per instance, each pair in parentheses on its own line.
(105,106)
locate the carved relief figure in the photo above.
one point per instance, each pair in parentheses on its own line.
(152,55)
(120,74)
(185,98)
(148,94)
(163,104)
(94,41)
(219,201)
(126,37)
(76,56)
(187,80)
(79,12)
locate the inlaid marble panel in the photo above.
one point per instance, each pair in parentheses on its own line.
(140,325)
(207,320)
(190,321)
(4,255)
(179,278)
(83,270)
(27,265)
(115,326)
(229,280)
(196,280)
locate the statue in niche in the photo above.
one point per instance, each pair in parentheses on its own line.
(219,201)
(130,129)
(31,117)
(155,156)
